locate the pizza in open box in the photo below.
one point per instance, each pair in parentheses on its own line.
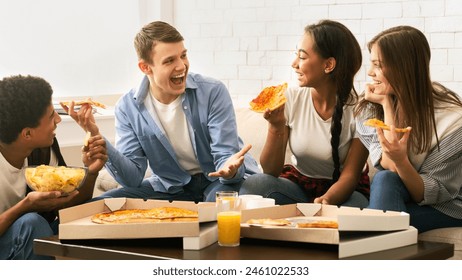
(301,222)
(269,222)
(271,97)
(152,215)
(318,224)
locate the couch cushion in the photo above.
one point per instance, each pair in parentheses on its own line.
(252,128)
(104,182)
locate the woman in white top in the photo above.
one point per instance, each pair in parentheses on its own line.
(318,124)
(420,170)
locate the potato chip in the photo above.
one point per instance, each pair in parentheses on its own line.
(87,137)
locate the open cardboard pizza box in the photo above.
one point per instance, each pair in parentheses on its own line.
(360,231)
(75,222)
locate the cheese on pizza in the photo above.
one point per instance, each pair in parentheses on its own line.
(382,125)
(271,97)
(318,224)
(269,222)
(87,101)
(152,215)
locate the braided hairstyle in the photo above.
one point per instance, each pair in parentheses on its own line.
(333,39)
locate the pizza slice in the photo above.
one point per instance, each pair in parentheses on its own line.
(269,222)
(380,124)
(86,101)
(271,97)
(318,224)
(153,215)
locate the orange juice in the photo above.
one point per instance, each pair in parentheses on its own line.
(229,228)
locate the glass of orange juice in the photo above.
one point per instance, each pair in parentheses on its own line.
(228,218)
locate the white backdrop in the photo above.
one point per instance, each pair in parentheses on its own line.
(83,48)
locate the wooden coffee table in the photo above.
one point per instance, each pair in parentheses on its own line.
(250,249)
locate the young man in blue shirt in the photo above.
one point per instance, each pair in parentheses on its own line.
(181,125)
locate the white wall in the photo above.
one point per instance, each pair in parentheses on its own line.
(84,48)
(250,44)
(81,47)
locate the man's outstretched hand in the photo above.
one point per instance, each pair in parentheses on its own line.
(232,164)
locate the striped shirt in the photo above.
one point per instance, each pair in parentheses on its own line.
(440,169)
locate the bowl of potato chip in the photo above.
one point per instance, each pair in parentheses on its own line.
(45,178)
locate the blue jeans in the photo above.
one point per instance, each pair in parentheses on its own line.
(388,192)
(284,191)
(17,243)
(198,189)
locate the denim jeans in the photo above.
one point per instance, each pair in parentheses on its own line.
(198,189)
(17,242)
(284,191)
(388,192)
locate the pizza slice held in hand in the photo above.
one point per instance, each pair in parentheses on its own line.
(382,125)
(86,101)
(271,97)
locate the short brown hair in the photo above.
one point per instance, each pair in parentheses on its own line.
(150,34)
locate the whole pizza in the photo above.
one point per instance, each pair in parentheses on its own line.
(271,97)
(152,215)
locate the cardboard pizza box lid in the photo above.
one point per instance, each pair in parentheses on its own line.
(376,241)
(75,222)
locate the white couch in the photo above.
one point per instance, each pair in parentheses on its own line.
(252,129)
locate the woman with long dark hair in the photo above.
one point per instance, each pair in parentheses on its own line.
(317,122)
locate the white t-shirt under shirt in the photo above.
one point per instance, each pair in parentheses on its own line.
(310,135)
(175,125)
(13,182)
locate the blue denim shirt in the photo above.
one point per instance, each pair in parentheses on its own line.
(142,142)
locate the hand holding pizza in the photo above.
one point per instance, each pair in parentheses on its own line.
(94,153)
(231,166)
(84,116)
(275,117)
(394,148)
(271,98)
